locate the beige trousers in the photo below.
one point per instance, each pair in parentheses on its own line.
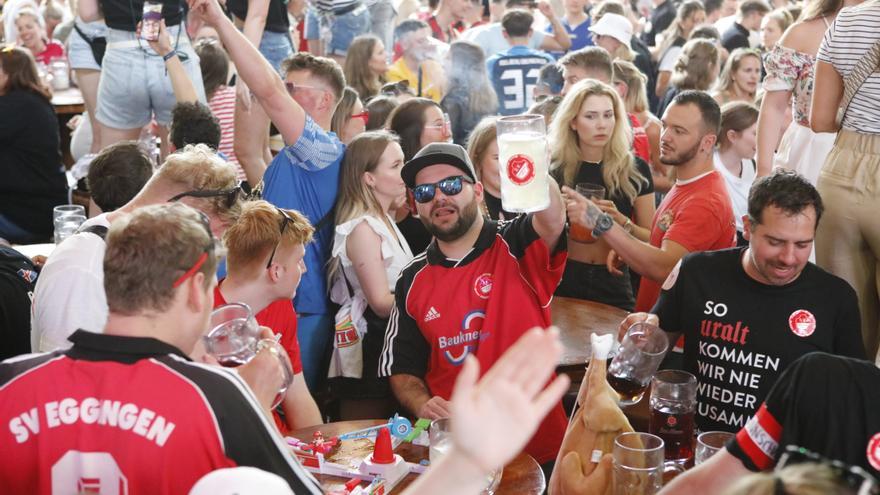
(848,239)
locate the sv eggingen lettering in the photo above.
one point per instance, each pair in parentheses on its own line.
(128,416)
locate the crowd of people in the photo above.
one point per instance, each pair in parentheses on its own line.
(334,165)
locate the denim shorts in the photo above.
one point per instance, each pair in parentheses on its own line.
(134,83)
(276,47)
(341,30)
(79,53)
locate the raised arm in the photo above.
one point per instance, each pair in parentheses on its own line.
(560,41)
(181,84)
(550,222)
(256,72)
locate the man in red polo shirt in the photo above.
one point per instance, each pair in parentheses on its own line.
(477,288)
(265,249)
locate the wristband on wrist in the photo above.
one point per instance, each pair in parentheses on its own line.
(628,226)
(168,56)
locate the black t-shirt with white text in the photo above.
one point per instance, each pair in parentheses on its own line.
(740,334)
(827,404)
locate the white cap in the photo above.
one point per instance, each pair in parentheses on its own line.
(616,26)
(241,480)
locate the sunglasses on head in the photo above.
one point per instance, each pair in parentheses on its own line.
(284,221)
(449,186)
(231,195)
(206,223)
(855,479)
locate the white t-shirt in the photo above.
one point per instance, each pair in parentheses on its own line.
(667,63)
(737,187)
(491,38)
(70,291)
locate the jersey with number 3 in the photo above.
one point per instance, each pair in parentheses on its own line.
(514,73)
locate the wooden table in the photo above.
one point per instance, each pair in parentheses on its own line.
(522,476)
(577,319)
(68,101)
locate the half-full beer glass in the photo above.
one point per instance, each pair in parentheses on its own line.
(673,404)
(523,159)
(641,351)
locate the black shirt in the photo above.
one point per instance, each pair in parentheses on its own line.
(125,14)
(30,163)
(740,334)
(18,278)
(735,37)
(592,173)
(276,16)
(662,17)
(824,403)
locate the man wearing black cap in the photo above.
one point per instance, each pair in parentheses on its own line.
(479,286)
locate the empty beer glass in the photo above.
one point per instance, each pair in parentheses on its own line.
(523,158)
(638,357)
(638,464)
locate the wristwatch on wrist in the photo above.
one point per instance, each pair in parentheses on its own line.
(603,224)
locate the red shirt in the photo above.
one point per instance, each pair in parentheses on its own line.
(281,318)
(641,145)
(53,50)
(696,214)
(501,289)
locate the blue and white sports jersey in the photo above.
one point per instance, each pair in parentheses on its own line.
(580,35)
(514,73)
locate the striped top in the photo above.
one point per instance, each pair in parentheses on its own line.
(222,104)
(848,39)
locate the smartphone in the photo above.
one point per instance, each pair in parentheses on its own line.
(151,19)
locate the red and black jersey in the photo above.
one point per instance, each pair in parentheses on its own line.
(446,309)
(132,413)
(827,404)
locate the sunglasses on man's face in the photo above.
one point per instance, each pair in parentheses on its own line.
(284,221)
(449,186)
(232,195)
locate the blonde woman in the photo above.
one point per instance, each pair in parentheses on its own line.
(365,65)
(631,83)
(740,77)
(592,145)
(696,68)
(691,14)
(368,253)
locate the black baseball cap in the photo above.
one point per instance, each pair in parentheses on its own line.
(437,154)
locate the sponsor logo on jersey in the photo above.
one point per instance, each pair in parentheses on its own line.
(802,323)
(666,220)
(468,338)
(874,451)
(346,333)
(29,276)
(520,169)
(432,314)
(483,285)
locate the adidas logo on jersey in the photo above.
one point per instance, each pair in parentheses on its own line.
(432,314)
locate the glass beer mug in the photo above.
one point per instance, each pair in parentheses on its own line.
(524,160)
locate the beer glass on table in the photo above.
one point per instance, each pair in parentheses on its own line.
(673,405)
(578,232)
(523,158)
(710,442)
(638,464)
(234,339)
(440,439)
(638,357)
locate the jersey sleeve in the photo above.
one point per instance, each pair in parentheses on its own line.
(249,438)
(541,269)
(316,149)
(405,350)
(847,327)
(668,307)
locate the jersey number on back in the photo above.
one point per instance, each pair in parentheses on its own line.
(88,472)
(520,85)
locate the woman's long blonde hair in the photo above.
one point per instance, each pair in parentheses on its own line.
(355,198)
(618,165)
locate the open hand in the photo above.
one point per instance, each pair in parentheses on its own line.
(208,11)
(492,420)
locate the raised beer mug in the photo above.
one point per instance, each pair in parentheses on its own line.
(524,159)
